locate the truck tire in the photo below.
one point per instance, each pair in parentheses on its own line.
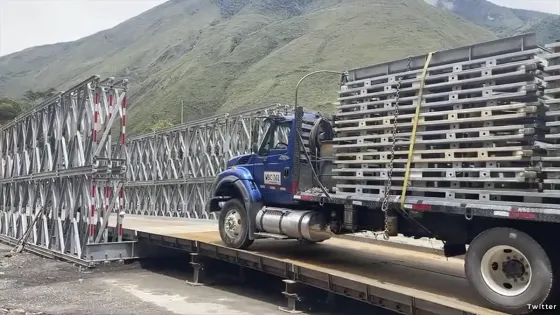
(509,269)
(233,225)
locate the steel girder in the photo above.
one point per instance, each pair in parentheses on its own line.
(60,177)
(170,171)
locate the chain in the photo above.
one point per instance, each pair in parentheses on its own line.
(385,202)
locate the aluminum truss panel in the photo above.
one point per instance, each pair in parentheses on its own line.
(551,98)
(60,176)
(170,172)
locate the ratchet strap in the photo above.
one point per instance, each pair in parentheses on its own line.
(414,126)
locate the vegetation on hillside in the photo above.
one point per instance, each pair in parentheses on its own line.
(225,55)
(505,21)
(35,97)
(547,29)
(10,109)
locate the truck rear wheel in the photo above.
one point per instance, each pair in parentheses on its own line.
(233,225)
(509,269)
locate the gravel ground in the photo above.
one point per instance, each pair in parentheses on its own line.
(33,285)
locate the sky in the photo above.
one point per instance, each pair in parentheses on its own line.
(28,23)
(549,6)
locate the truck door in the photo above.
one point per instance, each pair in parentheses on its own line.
(273,164)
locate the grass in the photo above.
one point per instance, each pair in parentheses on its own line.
(221,56)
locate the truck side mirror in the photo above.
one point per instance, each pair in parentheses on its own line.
(255,148)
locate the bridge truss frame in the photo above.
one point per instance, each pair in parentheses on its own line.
(171,171)
(62,176)
(67,171)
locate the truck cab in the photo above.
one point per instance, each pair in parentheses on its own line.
(267,178)
(271,163)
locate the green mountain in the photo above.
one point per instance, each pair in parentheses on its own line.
(225,55)
(504,21)
(547,29)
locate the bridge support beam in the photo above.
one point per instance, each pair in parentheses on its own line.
(199,273)
(291,295)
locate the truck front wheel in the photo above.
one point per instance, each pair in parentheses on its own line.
(509,269)
(233,225)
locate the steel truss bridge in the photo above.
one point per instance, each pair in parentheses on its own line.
(67,170)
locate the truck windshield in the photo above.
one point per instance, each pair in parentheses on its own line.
(277,137)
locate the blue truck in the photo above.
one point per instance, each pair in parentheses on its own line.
(288,187)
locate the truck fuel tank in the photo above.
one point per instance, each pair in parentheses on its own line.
(299,224)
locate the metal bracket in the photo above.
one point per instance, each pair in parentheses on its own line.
(198,270)
(292,297)
(350,217)
(114,251)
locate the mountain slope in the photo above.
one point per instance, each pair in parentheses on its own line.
(504,21)
(222,55)
(547,29)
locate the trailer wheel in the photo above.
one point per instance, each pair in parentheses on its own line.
(233,224)
(509,269)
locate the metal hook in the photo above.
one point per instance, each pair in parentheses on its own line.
(468,214)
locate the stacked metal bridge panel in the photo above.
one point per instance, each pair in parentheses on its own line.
(481,129)
(171,171)
(60,177)
(551,98)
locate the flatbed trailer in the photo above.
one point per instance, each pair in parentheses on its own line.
(402,280)
(422,204)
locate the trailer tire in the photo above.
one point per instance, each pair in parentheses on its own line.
(233,224)
(498,252)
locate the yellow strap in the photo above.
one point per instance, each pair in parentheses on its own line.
(414,125)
